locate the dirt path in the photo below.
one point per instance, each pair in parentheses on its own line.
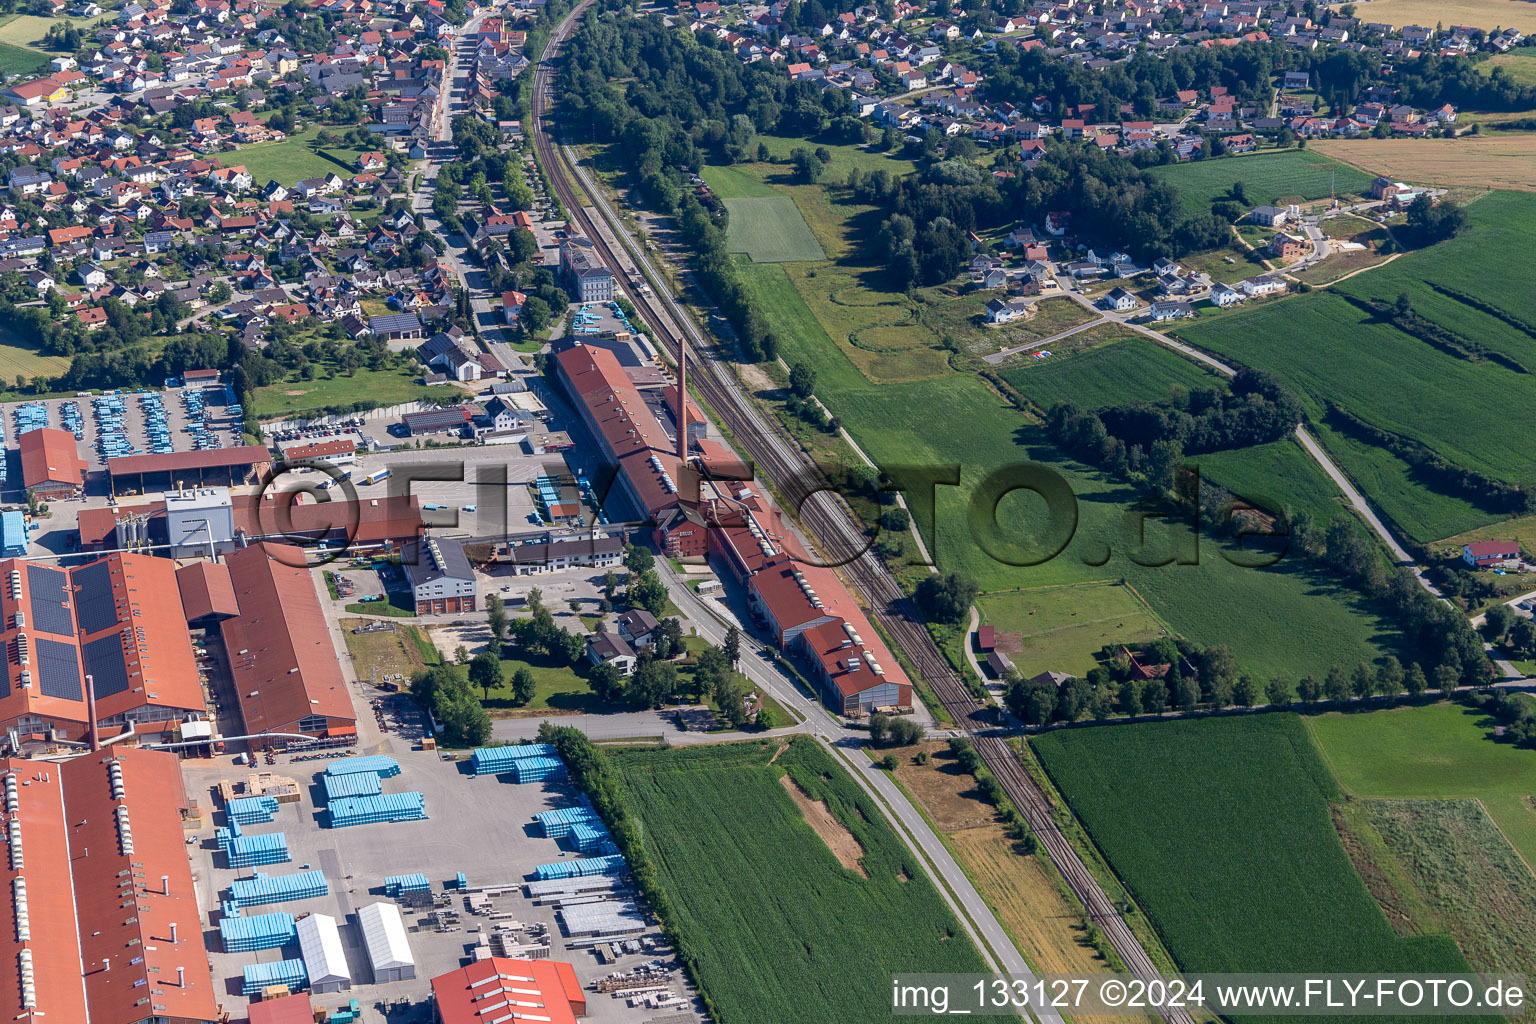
(833,832)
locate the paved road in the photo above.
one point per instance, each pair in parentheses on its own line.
(997,357)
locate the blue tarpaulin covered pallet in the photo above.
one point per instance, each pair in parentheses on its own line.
(261,888)
(259,931)
(610,865)
(538,769)
(558,822)
(254,851)
(394,885)
(252,810)
(260,977)
(383,766)
(365,810)
(354,784)
(495,760)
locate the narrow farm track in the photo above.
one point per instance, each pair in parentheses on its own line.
(828,519)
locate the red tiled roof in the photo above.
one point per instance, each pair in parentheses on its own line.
(625,425)
(483,992)
(50,456)
(279,648)
(210,458)
(320,449)
(206,590)
(135,942)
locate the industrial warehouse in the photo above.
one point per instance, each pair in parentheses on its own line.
(806,608)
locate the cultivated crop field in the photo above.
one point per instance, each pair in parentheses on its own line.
(770,230)
(1442,751)
(1136,369)
(1278,475)
(1485,14)
(19,359)
(1062,628)
(1457,863)
(1267,177)
(1221,828)
(1494,160)
(19,61)
(782,932)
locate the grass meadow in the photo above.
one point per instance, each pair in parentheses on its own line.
(779,929)
(21,62)
(1062,628)
(769,229)
(1134,369)
(1329,350)
(1519,67)
(1289,175)
(297,157)
(881,368)
(1441,751)
(1221,828)
(381,387)
(20,359)
(1278,475)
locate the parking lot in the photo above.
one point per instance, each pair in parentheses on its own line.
(481,826)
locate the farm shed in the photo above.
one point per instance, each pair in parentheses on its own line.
(324,960)
(389,952)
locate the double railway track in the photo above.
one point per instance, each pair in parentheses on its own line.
(830,521)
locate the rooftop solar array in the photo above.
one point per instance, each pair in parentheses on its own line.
(95,604)
(105,664)
(58,670)
(50,600)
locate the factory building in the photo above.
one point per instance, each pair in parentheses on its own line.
(117,620)
(807,609)
(51,466)
(442,580)
(88,837)
(280,652)
(499,989)
(199,523)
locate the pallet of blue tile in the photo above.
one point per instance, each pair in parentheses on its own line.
(383,766)
(495,760)
(355,784)
(252,810)
(260,977)
(394,885)
(224,835)
(259,931)
(347,811)
(613,864)
(257,851)
(557,823)
(538,769)
(261,888)
(592,838)
(460,880)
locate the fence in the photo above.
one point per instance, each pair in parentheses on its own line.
(260,931)
(367,810)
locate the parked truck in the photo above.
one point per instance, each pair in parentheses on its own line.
(375,476)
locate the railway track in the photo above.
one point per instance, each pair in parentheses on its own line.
(833,526)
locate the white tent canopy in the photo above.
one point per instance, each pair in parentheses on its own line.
(384,937)
(324,959)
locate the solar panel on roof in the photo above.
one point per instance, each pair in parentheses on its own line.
(50,601)
(58,669)
(106,666)
(95,604)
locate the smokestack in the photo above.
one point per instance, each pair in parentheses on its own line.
(90,709)
(682,402)
(181,977)
(173,933)
(165,884)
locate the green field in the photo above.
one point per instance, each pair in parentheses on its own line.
(780,931)
(844,157)
(1454,872)
(20,359)
(1519,67)
(1221,828)
(294,158)
(1136,369)
(770,230)
(20,62)
(730,184)
(1292,174)
(1278,476)
(1442,751)
(1062,628)
(380,387)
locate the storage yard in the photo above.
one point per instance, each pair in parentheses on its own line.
(517,869)
(129,423)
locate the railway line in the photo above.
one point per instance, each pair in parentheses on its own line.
(829,520)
